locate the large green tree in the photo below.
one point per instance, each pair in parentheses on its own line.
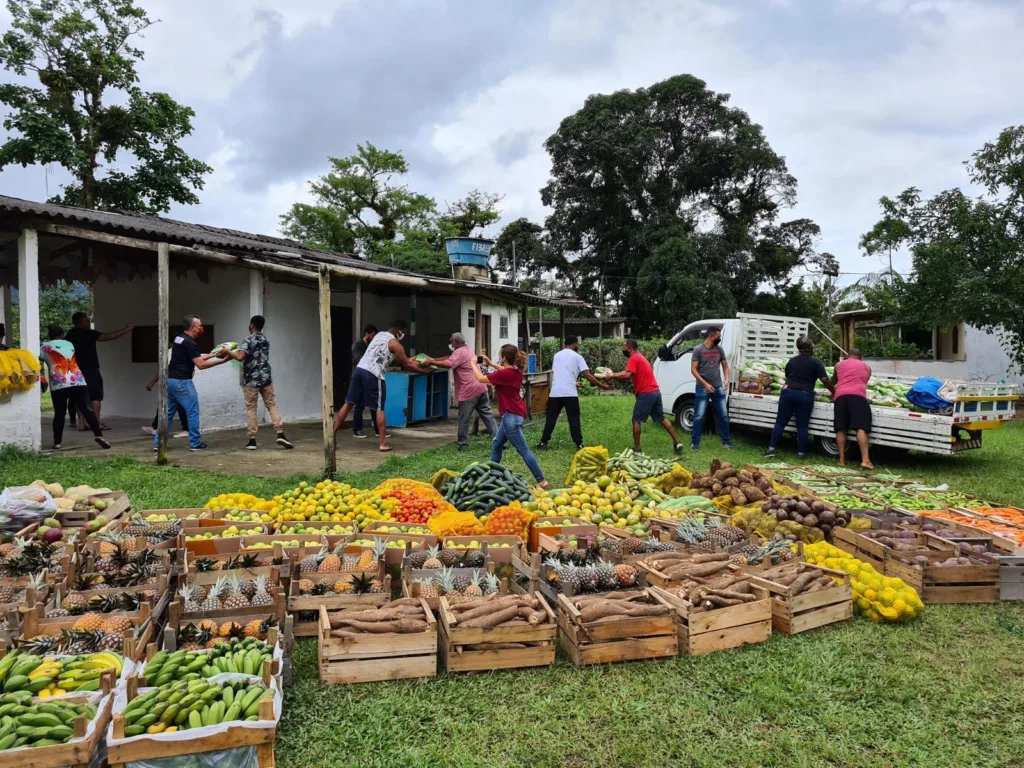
(57,304)
(670,199)
(473,213)
(86,111)
(967,253)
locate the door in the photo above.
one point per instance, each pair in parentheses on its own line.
(485,337)
(341,351)
(673,374)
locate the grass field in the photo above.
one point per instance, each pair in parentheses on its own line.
(944,690)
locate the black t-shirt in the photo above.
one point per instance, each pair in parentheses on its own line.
(84,341)
(183,351)
(803,371)
(358,350)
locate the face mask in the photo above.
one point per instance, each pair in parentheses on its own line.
(716,342)
(451,347)
(627,352)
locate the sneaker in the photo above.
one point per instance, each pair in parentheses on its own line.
(694,447)
(283,441)
(727,446)
(677,447)
(180,435)
(251,445)
(358,433)
(770,453)
(638,451)
(801,456)
(542,447)
(579,446)
(463,448)
(102,443)
(200,447)
(149,430)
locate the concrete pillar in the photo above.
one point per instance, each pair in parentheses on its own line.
(28,289)
(255,292)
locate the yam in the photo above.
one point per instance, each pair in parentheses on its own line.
(731,482)
(717,601)
(400,626)
(648,610)
(752,492)
(803,580)
(745,477)
(725,473)
(732,595)
(696,570)
(582,600)
(763,483)
(717,488)
(494,606)
(492,619)
(711,557)
(600,610)
(738,497)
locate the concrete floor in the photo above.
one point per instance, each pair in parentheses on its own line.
(227,452)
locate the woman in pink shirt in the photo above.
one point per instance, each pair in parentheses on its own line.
(852,410)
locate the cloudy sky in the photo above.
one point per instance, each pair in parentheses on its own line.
(863,97)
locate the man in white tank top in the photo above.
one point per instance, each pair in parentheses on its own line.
(368,388)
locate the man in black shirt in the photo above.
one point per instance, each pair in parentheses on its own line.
(358,350)
(185,358)
(84,340)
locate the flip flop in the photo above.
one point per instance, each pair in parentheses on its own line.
(385,449)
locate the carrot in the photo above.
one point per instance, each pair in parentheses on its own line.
(492,619)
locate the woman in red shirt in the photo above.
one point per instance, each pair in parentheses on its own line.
(507,381)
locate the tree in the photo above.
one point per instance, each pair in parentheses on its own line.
(668,171)
(477,211)
(362,194)
(531,257)
(81,54)
(967,253)
(57,303)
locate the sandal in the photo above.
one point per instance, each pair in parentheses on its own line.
(385,449)
(56,446)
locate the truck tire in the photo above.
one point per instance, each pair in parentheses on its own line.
(829,447)
(684,413)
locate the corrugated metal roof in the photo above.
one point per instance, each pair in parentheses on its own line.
(261,247)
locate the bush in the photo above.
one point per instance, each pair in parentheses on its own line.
(606,352)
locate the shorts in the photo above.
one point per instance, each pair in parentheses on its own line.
(94,381)
(366,391)
(851,412)
(647,406)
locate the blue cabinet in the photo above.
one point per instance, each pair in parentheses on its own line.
(413,397)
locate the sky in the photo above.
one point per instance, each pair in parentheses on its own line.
(863,97)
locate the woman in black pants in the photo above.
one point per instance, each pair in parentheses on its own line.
(67,385)
(797,398)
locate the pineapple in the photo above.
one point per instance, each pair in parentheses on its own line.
(191,601)
(632,546)
(342,586)
(107,603)
(432,560)
(235,598)
(116,624)
(9,594)
(626,574)
(74,603)
(209,626)
(450,556)
(230,629)
(306,586)
(41,645)
(261,591)
(332,562)
(206,564)
(606,576)
(322,588)
(419,557)
(110,642)
(428,587)
(491,585)
(312,562)
(88,623)
(350,562)
(474,589)
(213,598)
(258,628)
(474,558)
(249,588)
(461,582)
(446,582)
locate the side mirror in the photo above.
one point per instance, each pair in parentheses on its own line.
(665,354)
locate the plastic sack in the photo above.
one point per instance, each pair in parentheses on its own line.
(23,505)
(239,757)
(588,464)
(947,392)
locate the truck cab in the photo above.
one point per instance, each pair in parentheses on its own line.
(672,368)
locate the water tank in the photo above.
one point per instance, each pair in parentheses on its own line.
(473,251)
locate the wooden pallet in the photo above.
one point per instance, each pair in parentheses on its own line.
(152,747)
(76,753)
(485,654)
(628,639)
(702,632)
(793,614)
(373,657)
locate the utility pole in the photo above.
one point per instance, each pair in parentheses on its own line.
(515,280)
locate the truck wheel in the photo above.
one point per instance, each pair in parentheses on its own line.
(829,447)
(684,414)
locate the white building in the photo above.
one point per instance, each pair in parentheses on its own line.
(225,277)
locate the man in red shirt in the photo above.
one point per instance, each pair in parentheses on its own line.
(648,395)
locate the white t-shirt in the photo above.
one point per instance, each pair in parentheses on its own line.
(567,367)
(377,356)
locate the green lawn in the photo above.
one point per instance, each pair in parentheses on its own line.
(945,690)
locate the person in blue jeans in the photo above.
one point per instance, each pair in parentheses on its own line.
(507,380)
(710,368)
(185,358)
(797,398)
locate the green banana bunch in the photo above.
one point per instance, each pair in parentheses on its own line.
(185,704)
(245,656)
(24,724)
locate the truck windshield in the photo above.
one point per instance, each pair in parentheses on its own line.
(689,337)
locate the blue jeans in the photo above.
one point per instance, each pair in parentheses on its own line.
(793,402)
(700,409)
(182,392)
(511,431)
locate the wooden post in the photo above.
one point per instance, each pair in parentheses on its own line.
(526,328)
(163,252)
(327,370)
(540,349)
(359,311)
(478,323)
(412,323)
(7,316)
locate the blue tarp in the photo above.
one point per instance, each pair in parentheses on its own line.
(925,394)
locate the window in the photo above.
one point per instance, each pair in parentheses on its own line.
(144,341)
(472,319)
(688,338)
(503,327)
(955,339)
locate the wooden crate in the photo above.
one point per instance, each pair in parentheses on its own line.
(153,606)
(393,555)
(317,526)
(535,573)
(629,639)
(234,547)
(792,614)
(976,583)
(496,555)
(210,546)
(861,547)
(184,513)
(579,527)
(78,752)
(966,528)
(135,640)
(373,658)
(299,603)
(657,578)
(179,616)
(539,642)
(667,528)
(307,544)
(732,627)
(118,506)
(151,747)
(168,639)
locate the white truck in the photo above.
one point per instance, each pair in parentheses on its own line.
(980,406)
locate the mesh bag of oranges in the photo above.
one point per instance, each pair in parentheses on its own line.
(878,597)
(510,520)
(408,486)
(415,507)
(451,522)
(238,501)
